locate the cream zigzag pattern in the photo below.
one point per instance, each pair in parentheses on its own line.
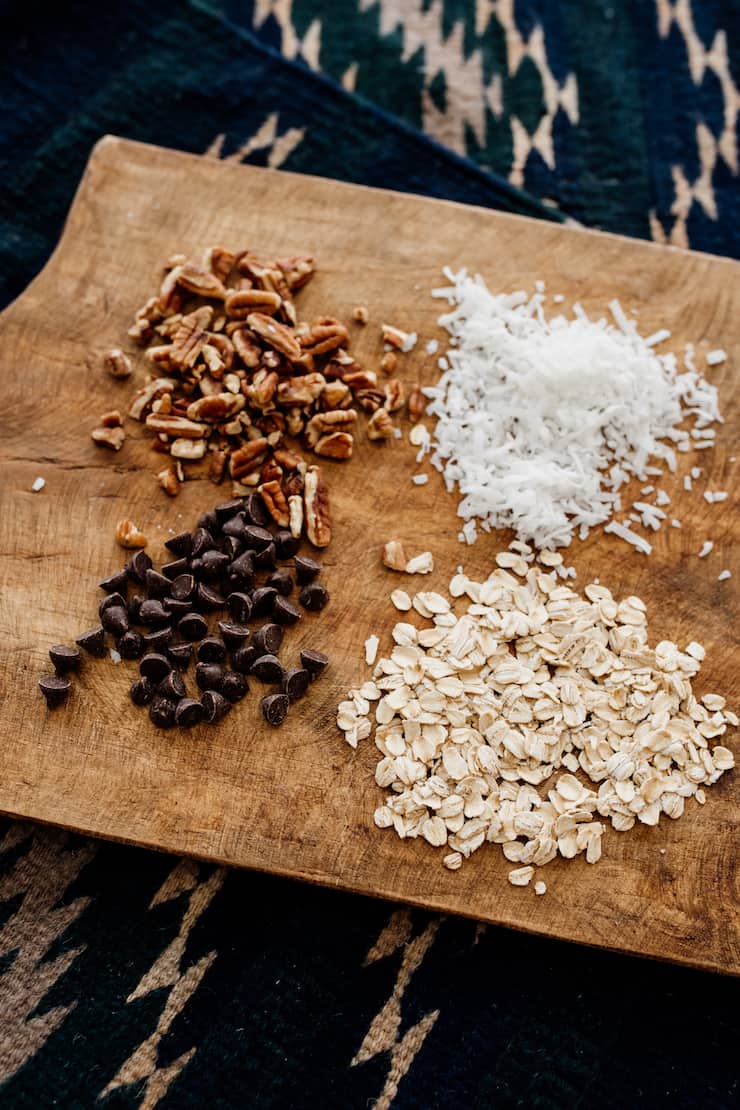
(266,137)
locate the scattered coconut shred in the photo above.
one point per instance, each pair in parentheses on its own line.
(541,422)
(484,718)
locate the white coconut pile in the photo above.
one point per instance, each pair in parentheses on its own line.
(540,421)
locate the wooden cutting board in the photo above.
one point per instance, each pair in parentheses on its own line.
(297,801)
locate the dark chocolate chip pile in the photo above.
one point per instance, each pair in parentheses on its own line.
(228,569)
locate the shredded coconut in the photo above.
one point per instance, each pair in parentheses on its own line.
(714,358)
(540,422)
(420,479)
(38,484)
(707,548)
(724,575)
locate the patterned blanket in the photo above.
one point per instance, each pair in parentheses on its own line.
(131,979)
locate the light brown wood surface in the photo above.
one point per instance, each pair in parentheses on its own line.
(297,801)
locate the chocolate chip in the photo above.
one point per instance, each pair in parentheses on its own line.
(228,509)
(212,650)
(314,662)
(159,640)
(210,522)
(267,669)
(232,547)
(243,658)
(189,712)
(137,567)
(295,682)
(240,606)
(93,642)
(172,686)
(162,712)
(177,609)
(152,612)
(234,634)
(284,611)
(180,655)
(241,570)
(154,666)
(180,545)
(265,559)
(55,688)
(134,605)
(179,566)
(306,569)
(215,705)
(257,538)
(131,645)
(65,658)
(212,563)
(314,597)
(157,585)
(142,691)
(280,581)
(183,587)
(209,675)
(268,639)
(263,601)
(202,541)
(116,582)
(236,527)
(275,708)
(234,686)
(208,598)
(112,601)
(255,509)
(286,544)
(115,620)
(192,627)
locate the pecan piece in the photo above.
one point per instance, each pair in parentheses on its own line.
(335,395)
(109,437)
(170,298)
(246,348)
(302,390)
(394,556)
(294,422)
(163,404)
(117,363)
(241,303)
(190,449)
(248,458)
(417,403)
(369,400)
(360,379)
(219,261)
(287,458)
(271,472)
(111,419)
(389,362)
(325,334)
(276,335)
(225,348)
(325,423)
(212,358)
(360,314)
(189,337)
(395,396)
(380,425)
(298,269)
(295,515)
(316,508)
(216,408)
(197,280)
(336,445)
(217,466)
(168,480)
(128,535)
(175,425)
(275,502)
(394,337)
(261,389)
(294,485)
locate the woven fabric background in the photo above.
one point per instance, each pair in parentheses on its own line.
(131,979)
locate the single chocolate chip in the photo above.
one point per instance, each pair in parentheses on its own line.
(243,658)
(172,686)
(234,634)
(180,655)
(241,570)
(239,605)
(235,528)
(116,582)
(295,682)
(180,545)
(55,688)
(183,587)
(232,547)
(208,598)
(202,541)
(256,537)
(134,605)
(157,585)
(159,640)
(93,642)
(152,612)
(115,620)
(314,597)
(314,662)
(155,666)
(142,691)
(192,627)
(263,601)
(189,712)
(179,566)
(162,712)
(268,639)
(255,509)
(215,705)
(65,658)
(306,569)
(286,544)
(112,601)
(280,581)
(210,522)
(211,650)
(284,611)
(131,645)
(228,509)
(137,567)
(267,669)
(177,609)
(234,686)
(212,563)
(265,559)
(275,708)
(209,675)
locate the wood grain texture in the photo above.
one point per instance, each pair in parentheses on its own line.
(297,801)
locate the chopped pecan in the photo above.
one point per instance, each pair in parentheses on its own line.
(248,458)
(197,280)
(389,362)
(360,314)
(117,363)
(286,458)
(369,400)
(128,535)
(294,422)
(160,356)
(360,379)
(231,428)
(271,471)
(276,335)
(394,337)
(336,445)
(225,348)
(275,502)
(302,390)
(380,425)
(261,389)
(233,382)
(417,403)
(335,395)
(212,358)
(168,480)
(189,337)
(219,261)
(325,423)
(175,260)
(298,269)
(295,515)
(395,395)
(326,334)
(272,425)
(247,349)
(170,298)
(109,437)
(182,448)
(294,484)
(394,556)
(175,425)
(141,332)
(316,508)
(111,419)
(241,303)
(217,408)
(217,466)
(209,387)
